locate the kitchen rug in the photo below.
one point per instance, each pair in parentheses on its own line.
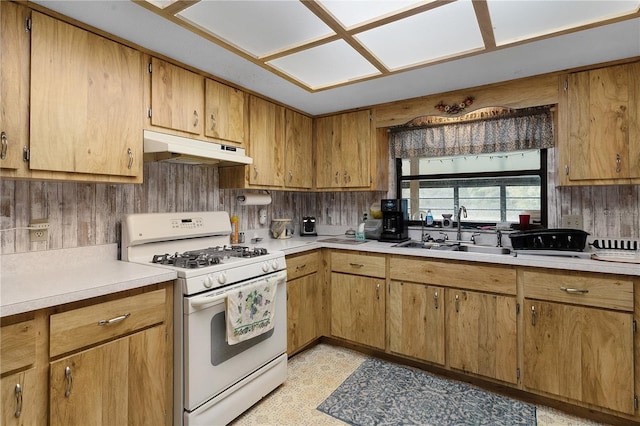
(382,393)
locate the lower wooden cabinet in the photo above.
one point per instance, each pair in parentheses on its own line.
(417,321)
(481,330)
(18,393)
(117,383)
(305,301)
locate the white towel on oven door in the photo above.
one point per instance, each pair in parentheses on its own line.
(250,310)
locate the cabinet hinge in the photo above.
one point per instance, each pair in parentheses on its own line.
(517,308)
(635,402)
(149,113)
(27,25)
(26,154)
(149,68)
(634,325)
(518,374)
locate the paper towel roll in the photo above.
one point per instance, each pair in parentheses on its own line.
(254,199)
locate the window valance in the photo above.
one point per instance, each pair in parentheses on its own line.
(518,130)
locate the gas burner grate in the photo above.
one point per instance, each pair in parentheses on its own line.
(206,257)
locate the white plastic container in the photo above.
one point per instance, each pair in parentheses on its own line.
(281,228)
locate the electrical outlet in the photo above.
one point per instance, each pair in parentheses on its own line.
(572,221)
(39,230)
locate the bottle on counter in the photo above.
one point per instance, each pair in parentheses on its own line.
(429,220)
(234,229)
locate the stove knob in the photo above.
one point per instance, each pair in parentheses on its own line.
(222,278)
(265,267)
(208,281)
(275,265)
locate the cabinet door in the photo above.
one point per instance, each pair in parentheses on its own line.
(224,110)
(18,393)
(298,150)
(266,143)
(86,102)
(356,149)
(304,311)
(14,85)
(177,97)
(581,353)
(121,382)
(328,133)
(603,124)
(481,330)
(358,309)
(416,315)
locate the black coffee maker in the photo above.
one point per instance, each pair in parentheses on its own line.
(395,220)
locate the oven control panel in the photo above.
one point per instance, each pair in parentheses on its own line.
(191,223)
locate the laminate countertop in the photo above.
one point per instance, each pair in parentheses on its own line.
(42,279)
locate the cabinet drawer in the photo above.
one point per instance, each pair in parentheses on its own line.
(581,289)
(89,325)
(18,347)
(492,279)
(298,266)
(358,264)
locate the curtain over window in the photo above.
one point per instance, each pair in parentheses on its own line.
(516,130)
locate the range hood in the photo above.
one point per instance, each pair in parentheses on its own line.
(177,149)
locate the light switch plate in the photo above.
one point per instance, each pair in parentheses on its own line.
(572,221)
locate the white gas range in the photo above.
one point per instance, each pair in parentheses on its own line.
(214,381)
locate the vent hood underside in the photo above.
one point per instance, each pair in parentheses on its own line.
(177,149)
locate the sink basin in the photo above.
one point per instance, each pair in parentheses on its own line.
(484,249)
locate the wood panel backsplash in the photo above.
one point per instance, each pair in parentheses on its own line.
(82,214)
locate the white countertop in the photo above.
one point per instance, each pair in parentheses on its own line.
(37,280)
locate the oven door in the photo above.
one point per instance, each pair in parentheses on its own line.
(210,364)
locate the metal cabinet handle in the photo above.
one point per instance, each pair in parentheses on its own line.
(356,265)
(18,400)
(301,267)
(566,169)
(114,320)
(290,175)
(378,291)
(533,315)
(196,119)
(574,290)
(69,378)
(255,170)
(457,303)
(130,153)
(618,163)
(337,176)
(435,299)
(213,122)
(5,146)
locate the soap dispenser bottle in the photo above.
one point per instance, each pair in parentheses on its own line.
(429,218)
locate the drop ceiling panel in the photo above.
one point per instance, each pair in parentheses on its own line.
(326,65)
(443,32)
(515,21)
(352,13)
(257,27)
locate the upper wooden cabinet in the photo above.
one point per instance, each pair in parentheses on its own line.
(343,151)
(177,98)
(224,112)
(298,155)
(599,126)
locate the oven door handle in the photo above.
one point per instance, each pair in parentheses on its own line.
(202,301)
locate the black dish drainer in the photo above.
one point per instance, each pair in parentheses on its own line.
(549,239)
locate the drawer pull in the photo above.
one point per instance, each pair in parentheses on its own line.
(18,400)
(574,290)
(301,267)
(356,265)
(114,320)
(69,379)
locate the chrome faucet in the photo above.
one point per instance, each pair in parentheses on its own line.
(499,236)
(462,210)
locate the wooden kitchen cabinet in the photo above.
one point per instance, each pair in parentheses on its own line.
(15,45)
(225,112)
(343,151)
(298,151)
(266,130)
(111,362)
(305,301)
(417,321)
(86,103)
(599,126)
(177,98)
(358,298)
(578,338)
(19,401)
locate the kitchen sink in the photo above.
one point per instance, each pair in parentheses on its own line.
(452,246)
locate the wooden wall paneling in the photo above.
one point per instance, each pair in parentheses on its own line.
(54,199)
(86,214)
(7,216)
(69,213)
(39,210)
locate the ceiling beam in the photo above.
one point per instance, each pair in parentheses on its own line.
(484,23)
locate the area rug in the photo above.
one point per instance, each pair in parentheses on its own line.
(382,393)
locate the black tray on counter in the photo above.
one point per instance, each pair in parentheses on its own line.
(549,239)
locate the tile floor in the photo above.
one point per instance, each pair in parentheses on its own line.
(315,373)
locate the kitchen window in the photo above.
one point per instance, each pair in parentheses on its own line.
(493,188)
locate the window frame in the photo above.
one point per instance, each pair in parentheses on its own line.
(541,172)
